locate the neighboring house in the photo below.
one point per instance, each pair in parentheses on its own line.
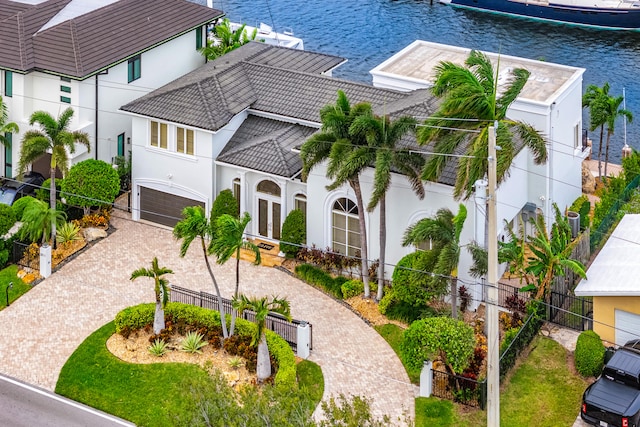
(236,123)
(93,56)
(612,281)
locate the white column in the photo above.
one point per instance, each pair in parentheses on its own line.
(426,379)
(45,261)
(283,201)
(243,192)
(303,340)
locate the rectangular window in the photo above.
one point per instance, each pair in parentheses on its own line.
(65,89)
(184,140)
(236,193)
(198,38)
(8,156)
(8,83)
(577,140)
(121,145)
(158,135)
(65,79)
(134,68)
(65,99)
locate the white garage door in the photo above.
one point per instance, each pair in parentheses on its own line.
(627,327)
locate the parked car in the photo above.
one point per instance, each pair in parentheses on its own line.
(614,399)
(13,189)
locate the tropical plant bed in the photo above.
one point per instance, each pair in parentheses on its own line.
(135,349)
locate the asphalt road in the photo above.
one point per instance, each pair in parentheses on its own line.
(23,405)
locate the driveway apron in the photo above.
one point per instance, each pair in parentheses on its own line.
(43,328)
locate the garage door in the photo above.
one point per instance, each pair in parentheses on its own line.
(627,327)
(163,208)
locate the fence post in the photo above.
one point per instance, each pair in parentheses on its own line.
(303,340)
(426,379)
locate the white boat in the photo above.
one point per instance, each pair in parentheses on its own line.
(266,34)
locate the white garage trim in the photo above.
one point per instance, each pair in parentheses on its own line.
(627,326)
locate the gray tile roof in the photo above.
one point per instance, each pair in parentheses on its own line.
(266,145)
(84,45)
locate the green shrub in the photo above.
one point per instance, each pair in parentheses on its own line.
(319,278)
(509,336)
(352,288)
(387,299)
(7,218)
(20,205)
(294,230)
(91,183)
(409,313)
(582,205)
(631,166)
(427,338)
(411,285)
(589,354)
(43,192)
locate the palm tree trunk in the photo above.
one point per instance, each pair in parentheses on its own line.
(234,313)
(364,253)
(606,154)
(158,318)
(600,153)
(52,202)
(383,246)
(454,297)
(223,317)
(263,366)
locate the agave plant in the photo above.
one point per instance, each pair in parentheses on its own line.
(68,232)
(158,348)
(193,342)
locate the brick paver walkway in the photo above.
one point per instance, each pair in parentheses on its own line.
(43,328)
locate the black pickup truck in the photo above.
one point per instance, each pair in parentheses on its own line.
(614,399)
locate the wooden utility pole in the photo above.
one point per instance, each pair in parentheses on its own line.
(493,331)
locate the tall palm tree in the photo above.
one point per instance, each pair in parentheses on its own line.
(347,157)
(195,225)
(261,307)
(595,98)
(161,288)
(444,233)
(225,40)
(228,242)
(55,137)
(551,254)
(5,125)
(470,104)
(612,111)
(384,136)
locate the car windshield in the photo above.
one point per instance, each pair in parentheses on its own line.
(7,195)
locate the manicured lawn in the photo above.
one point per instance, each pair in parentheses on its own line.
(160,394)
(393,335)
(19,287)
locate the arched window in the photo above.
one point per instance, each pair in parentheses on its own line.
(237,192)
(269,187)
(345,227)
(300,203)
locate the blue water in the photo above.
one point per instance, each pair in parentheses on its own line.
(367,32)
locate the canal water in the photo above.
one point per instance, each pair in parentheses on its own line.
(367,32)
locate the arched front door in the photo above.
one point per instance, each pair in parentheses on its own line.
(268,195)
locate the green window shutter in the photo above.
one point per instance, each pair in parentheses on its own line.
(8,83)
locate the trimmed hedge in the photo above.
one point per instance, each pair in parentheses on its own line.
(319,278)
(589,354)
(139,316)
(352,288)
(294,230)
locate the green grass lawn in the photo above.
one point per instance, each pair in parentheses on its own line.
(393,335)
(7,275)
(159,394)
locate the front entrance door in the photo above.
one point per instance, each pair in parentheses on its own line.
(269,219)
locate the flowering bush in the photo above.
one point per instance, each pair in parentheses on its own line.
(99,219)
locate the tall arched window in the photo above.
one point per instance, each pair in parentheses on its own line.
(345,227)
(237,192)
(300,203)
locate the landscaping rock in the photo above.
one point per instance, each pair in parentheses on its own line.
(92,233)
(588,180)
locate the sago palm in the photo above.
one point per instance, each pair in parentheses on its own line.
(384,135)
(347,156)
(161,289)
(56,138)
(229,241)
(195,225)
(471,102)
(444,232)
(261,307)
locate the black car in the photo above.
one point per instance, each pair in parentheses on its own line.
(13,189)
(614,399)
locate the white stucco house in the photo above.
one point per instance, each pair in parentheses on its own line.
(237,123)
(93,56)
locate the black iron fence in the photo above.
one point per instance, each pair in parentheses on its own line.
(274,321)
(17,254)
(459,389)
(509,351)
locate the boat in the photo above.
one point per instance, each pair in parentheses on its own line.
(604,14)
(266,34)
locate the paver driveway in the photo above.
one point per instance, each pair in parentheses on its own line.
(43,328)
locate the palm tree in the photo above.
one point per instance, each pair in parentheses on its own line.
(5,126)
(384,135)
(612,111)
(596,98)
(195,225)
(444,233)
(228,242)
(161,288)
(470,104)
(550,254)
(348,155)
(261,307)
(55,137)
(38,219)
(226,40)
